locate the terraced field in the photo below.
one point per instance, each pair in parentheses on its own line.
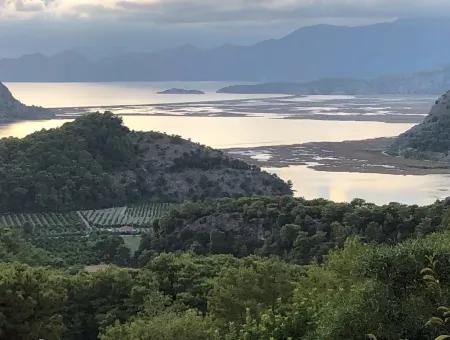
(137,216)
(48,223)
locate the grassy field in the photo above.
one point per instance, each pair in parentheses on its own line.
(132,242)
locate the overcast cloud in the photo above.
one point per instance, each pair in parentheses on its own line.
(52,25)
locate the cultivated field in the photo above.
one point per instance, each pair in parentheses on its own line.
(136,216)
(48,223)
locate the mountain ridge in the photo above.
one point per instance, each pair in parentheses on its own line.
(307,54)
(424,82)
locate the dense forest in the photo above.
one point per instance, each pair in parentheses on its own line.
(294,229)
(358,290)
(321,270)
(97,162)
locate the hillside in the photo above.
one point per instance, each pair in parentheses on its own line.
(323,86)
(431,82)
(310,53)
(97,162)
(293,228)
(430,139)
(12,109)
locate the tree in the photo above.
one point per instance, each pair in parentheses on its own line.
(256,284)
(96,301)
(31,302)
(188,325)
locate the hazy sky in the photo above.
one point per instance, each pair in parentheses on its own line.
(102,26)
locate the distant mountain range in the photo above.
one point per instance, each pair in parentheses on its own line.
(311,53)
(431,82)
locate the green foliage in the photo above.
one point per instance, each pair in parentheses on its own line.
(96,301)
(252,287)
(45,223)
(282,322)
(368,289)
(187,278)
(431,138)
(188,325)
(14,246)
(31,302)
(357,287)
(96,162)
(60,251)
(137,215)
(292,228)
(430,277)
(66,168)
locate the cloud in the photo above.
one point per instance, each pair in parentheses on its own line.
(23,9)
(46,26)
(29,5)
(200,11)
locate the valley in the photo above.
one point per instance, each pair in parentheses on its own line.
(286,135)
(241,170)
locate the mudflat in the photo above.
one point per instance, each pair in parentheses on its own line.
(365,156)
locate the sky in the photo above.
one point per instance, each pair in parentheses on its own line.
(102,27)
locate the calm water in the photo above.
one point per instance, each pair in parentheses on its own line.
(377,188)
(228,132)
(224,132)
(117,93)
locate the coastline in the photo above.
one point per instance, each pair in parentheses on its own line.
(363,156)
(281,107)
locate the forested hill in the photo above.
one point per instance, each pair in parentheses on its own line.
(294,229)
(12,109)
(96,162)
(430,139)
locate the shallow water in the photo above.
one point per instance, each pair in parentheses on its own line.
(377,188)
(224,132)
(143,98)
(259,129)
(116,93)
(228,132)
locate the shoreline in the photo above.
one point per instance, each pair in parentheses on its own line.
(277,107)
(363,156)
(391,119)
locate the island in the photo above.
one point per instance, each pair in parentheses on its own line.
(11,109)
(181,91)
